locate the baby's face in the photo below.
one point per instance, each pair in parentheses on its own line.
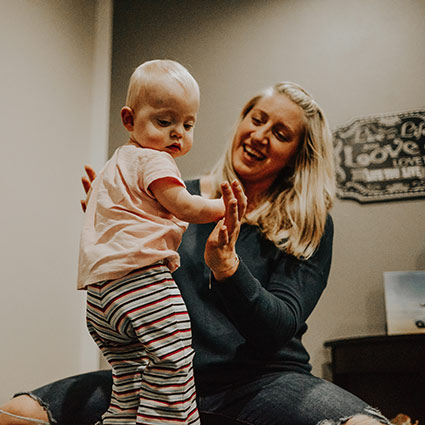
(165,120)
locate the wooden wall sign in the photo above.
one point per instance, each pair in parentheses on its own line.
(381,158)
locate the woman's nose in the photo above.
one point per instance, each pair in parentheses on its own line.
(260,135)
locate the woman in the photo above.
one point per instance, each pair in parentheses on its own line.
(250,282)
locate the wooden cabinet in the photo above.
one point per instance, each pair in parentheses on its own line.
(388,372)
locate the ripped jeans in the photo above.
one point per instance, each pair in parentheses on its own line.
(281,398)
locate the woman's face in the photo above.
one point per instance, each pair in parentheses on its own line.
(267,140)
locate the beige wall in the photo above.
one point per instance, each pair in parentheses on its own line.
(357,57)
(52,83)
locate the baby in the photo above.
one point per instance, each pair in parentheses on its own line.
(136,215)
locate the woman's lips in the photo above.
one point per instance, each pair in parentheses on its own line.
(253,153)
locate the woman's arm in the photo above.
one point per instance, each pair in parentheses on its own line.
(87,182)
(271,312)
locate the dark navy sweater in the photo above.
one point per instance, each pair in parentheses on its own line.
(251,323)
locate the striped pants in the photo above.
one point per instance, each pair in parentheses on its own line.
(142,327)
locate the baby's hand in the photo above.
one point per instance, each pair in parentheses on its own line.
(221,208)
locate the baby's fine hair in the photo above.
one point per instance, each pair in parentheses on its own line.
(149,72)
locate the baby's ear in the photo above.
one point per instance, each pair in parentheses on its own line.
(127,117)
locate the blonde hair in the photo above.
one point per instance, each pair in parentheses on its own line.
(293,213)
(149,72)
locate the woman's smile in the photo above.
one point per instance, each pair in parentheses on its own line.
(253,154)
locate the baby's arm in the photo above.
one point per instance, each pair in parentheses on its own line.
(179,202)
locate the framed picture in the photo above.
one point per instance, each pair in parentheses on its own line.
(381,157)
(405,302)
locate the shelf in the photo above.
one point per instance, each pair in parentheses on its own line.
(387,371)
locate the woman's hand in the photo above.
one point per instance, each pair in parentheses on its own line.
(220,249)
(87,185)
